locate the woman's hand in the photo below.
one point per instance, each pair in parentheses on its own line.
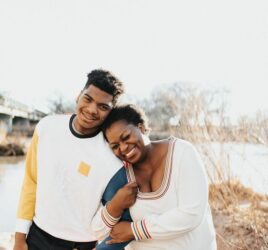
(121,232)
(124,198)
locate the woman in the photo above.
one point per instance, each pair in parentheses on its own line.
(171,210)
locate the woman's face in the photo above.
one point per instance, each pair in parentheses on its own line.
(127,141)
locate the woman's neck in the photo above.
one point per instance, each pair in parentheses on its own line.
(152,156)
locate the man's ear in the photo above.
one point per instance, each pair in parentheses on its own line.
(142,128)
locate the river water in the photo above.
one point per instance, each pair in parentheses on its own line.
(246,162)
(11,176)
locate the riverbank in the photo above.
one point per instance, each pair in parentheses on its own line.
(14,145)
(12,149)
(240,217)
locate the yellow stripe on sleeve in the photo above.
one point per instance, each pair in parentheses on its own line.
(26,207)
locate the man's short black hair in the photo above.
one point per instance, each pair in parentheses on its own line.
(105,81)
(129,113)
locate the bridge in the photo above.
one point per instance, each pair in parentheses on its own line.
(16,116)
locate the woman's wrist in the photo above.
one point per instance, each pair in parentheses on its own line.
(108,218)
(113,209)
(140,231)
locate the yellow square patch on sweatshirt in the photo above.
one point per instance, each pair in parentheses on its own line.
(84,168)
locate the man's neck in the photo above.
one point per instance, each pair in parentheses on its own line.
(74,128)
(87,132)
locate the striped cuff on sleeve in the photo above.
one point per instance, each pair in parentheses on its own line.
(140,231)
(108,219)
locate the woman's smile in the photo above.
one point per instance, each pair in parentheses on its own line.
(131,153)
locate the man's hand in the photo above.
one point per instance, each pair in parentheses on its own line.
(125,197)
(121,232)
(20,242)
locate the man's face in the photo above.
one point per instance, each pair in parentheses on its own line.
(93,106)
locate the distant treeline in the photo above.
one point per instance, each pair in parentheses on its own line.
(200,115)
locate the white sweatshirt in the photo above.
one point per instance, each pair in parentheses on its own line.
(177,215)
(65,177)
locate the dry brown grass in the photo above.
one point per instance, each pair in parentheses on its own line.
(240,216)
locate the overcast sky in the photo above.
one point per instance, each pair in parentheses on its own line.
(48,47)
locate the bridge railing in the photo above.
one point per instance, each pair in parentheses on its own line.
(8,102)
(16,108)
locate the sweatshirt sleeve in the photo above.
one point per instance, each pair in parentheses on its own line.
(103,223)
(26,207)
(192,196)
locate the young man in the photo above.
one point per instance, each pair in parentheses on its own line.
(68,166)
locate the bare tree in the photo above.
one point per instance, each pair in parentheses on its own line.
(58,105)
(187,108)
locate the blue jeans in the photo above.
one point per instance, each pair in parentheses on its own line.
(117,181)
